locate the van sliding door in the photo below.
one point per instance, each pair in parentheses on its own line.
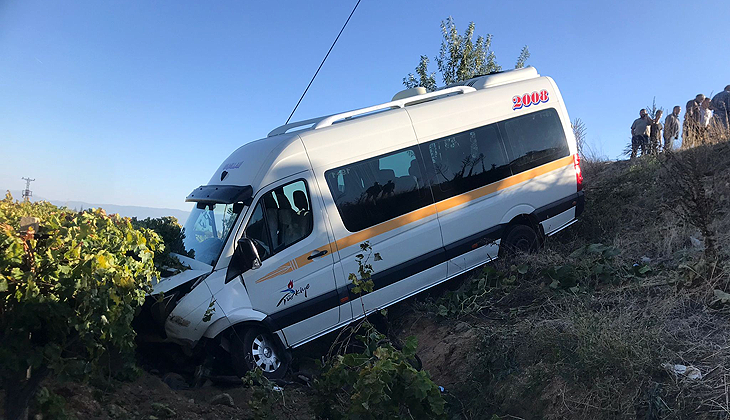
(464,170)
(374,178)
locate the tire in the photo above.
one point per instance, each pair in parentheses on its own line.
(257,348)
(519,239)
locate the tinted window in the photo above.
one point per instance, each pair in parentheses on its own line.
(535,139)
(465,161)
(378,189)
(281,218)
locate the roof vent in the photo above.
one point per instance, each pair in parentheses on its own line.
(499,78)
(409,92)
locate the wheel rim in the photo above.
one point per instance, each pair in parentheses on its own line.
(264,354)
(523,244)
(521,241)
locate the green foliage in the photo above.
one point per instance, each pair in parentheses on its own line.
(422,77)
(264,395)
(653,109)
(172,235)
(377,383)
(586,268)
(362,280)
(208,315)
(380,382)
(163,410)
(68,292)
(460,58)
(697,271)
(51,405)
(473,296)
(591,266)
(522,58)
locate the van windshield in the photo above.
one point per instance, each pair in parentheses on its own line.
(207,230)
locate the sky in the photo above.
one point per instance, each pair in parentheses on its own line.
(138,103)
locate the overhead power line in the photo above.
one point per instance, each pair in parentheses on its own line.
(322,63)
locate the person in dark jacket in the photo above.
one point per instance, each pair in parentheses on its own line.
(692,121)
(655,133)
(721,106)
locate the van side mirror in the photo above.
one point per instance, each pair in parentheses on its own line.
(246,250)
(245,257)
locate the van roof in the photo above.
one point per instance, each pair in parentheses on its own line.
(412,97)
(282,152)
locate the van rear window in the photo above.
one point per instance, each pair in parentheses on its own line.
(378,189)
(534,139)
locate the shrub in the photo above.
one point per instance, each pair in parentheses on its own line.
(68,292)
(378,383)
(172,235)
(475,294)
(263,395)
(590,267)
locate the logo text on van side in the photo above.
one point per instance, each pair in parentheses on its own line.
(290,293)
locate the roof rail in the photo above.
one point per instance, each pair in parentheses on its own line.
(286,127)
(327,121)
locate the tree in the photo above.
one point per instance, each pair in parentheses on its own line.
(68,293)
(652,109)
(460,58)
(522,59)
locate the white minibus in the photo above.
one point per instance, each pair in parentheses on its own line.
(437,183)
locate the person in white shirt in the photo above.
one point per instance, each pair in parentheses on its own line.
(705,120)
(705,113)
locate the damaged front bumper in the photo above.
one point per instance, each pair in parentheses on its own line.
(156,316)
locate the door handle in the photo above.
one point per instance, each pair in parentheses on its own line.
(317,254)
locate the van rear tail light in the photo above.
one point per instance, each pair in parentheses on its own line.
(578,173)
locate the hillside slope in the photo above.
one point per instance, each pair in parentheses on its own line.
(583,330)
(592,326)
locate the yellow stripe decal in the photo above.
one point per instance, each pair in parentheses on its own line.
(422,213)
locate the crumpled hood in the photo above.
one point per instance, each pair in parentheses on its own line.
(169,283)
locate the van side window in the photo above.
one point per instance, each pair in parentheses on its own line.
(466,161)
(378,189)
(282,217)
(257,231)
(535,139)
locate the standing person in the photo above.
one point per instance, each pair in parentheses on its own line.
(705,121)
(721,105)
(692,121)
(655,133)
(640,133)
(671,128)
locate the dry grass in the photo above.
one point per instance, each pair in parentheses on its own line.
(601,356)
(598,354)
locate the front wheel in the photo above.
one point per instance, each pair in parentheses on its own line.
(255,348)
(519,239)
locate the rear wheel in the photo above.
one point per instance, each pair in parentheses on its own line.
(519,239)
(256,348)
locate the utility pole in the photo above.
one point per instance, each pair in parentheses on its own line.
(27,193)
